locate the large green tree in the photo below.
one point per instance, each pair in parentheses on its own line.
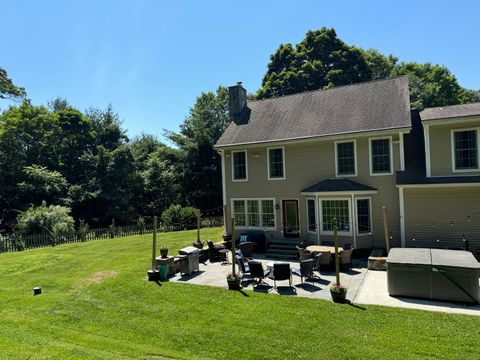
(8,90)
(319,61)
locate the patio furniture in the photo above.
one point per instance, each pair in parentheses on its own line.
(214,250)
(303,253)
(257,272)
(346,258)
(449,275)
(224,254)
(255,236)
(242,263)
(323,248)
(347,246)
(189,260)
(281,271)
(305,270)
(247,248)
(316,265)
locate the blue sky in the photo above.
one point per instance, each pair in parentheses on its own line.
(151,59)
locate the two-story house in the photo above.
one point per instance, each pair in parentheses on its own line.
(293,163)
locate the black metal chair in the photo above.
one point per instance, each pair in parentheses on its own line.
(281,271)
(347,246)
(305,270)
(303,254)
(318,263)
(214,251)
(257,272)
(242,264)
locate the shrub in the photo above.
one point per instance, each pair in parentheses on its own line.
(83,230)
(177,216)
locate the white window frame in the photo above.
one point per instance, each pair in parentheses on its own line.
(283,163)
(316,214)
(370,155)
(344,233)
(260,213)
(354,157)
(369,214)
(233,165)
(452,141)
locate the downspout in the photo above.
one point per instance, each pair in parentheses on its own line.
(402,216)
(224,193)
(318,219)
(354,223)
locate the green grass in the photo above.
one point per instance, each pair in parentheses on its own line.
(82,315)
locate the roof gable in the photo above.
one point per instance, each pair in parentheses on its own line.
(448,112)
(368,106)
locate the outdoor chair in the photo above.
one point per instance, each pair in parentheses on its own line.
(305,270)
(257,272)
(247,248)
(325,260)
(346,258)
(242,263)
(281,271)
(347,246)
(303,254)
(328,243)
(214,251)
(316,264)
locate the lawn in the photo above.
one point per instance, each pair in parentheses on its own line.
(97,304)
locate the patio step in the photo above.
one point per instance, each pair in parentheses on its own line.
(283,249)
(283,256)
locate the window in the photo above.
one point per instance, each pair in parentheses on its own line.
(380,156)
(312,226)
(239,165)
(363,216)
(276,165)
(465,144)
(255,213)
(345,153)
(338,209)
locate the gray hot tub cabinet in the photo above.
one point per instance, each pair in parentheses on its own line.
(449,275)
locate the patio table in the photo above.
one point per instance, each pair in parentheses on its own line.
(323,248)
(272,263)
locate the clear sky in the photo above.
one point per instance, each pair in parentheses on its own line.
(151,59)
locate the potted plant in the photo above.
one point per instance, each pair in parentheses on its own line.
(164,252)
(198,244)
(338,292)
(233,281)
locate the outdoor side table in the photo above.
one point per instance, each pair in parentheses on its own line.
(166,261)
(224,253)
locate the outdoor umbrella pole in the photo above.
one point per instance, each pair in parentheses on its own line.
(154,245)
(337,260)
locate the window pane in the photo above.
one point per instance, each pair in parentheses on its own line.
(268,215)
(335,209)
(312,226)
(239,166)
(253,215)
(381,156)
(466,149)
(276,163)
(346,158)
(363,216)
(239,212)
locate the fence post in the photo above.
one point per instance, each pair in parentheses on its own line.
(154,245)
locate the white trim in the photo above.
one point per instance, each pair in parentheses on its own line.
(369,215)
(308,218)
(402,216)
(300,139)
(224,193)
(389,138)
(318,218)
(451,120)
(344,233)
(283,163)
(259,200)
(452,146)
(354,221)
(346,192)
(426,135)
(246,165)
(401,150)
(354,157)
(466,184)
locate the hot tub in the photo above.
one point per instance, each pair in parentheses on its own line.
(450,275)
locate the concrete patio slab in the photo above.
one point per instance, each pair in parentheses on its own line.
(374,291)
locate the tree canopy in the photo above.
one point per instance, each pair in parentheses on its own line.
(8,90)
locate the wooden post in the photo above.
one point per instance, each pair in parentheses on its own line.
(154,245)
(337,260)
(385,229)
(233,247)
(225,232)
(198,228)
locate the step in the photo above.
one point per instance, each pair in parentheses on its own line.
(282,246)
(283,251)
(280,256)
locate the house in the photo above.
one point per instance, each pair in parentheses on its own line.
(293,163)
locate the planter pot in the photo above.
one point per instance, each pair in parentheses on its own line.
(152,275)
(338,297)
(233,284)
(163,272)
(198,245)
(164,253)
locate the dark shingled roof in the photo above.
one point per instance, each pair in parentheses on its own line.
(368,106)
(331,185)
(447,112)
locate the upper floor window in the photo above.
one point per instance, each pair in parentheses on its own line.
(276,163)
(465,149)
(239,165)
(381,156)
(345,154)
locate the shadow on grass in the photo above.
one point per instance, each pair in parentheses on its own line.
(356,306)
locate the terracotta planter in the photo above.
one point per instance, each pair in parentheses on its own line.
(233,284)
(338,297)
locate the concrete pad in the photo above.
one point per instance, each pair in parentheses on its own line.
(374,291)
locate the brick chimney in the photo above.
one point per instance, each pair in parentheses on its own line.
(237,104)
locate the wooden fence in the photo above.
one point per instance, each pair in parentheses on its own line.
(19,242)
